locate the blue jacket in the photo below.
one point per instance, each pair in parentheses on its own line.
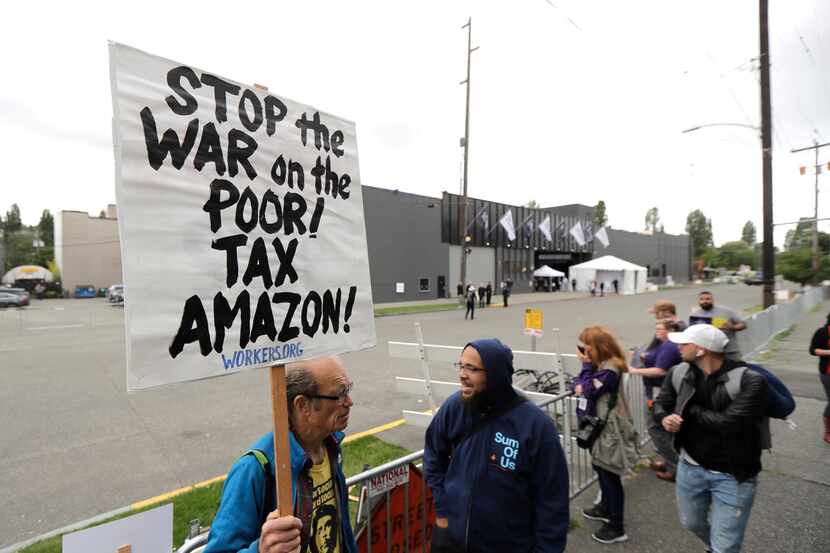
(504,488)
(248,496)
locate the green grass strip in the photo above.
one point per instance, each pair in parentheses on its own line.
(409,309)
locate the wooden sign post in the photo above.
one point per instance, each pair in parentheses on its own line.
(279,413)
(282,451)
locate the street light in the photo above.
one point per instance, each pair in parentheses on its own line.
(744,125)
(767,250)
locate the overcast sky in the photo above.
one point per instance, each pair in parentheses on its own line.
(572,101)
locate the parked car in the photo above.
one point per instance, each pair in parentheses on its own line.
(12,300)
(112,289)
(115,293)
(22,292)
(84,291)
(755,280)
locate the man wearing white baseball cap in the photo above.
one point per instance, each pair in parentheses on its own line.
(716,436)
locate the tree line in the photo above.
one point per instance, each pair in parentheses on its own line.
(28,245)
(794,262)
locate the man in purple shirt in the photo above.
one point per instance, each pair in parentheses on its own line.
(657,362)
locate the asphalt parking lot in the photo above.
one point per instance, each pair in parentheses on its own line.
(74,444)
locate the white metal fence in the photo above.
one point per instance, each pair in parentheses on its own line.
(762,327)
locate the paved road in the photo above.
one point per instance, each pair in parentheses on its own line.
(74,444)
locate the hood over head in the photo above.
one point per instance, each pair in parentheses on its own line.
(498,364)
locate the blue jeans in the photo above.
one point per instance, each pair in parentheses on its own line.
(714,506)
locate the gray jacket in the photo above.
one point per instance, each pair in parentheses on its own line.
(617,449)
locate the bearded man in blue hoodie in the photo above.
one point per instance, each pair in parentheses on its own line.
(318,412)
(494,463)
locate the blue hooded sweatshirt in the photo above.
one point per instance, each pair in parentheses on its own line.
(505,487)
(249,496)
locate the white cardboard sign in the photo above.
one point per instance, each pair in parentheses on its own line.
(241,219)
(389,480)
(147,532)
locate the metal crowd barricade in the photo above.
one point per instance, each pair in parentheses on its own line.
(362,520)
(762,327)
(562,409)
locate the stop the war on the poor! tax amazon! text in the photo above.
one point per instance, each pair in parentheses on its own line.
(283,218)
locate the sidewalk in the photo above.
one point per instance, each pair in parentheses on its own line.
(793,500)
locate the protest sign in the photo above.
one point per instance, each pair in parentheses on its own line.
(241,219)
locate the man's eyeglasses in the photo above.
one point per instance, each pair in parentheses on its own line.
(341,398)
(466,367)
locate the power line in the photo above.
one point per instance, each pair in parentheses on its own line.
(551,4)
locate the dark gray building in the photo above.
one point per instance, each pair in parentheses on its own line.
(662,254)
(415,244)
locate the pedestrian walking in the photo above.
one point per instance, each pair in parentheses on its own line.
(494,463)
(820,347)
(471,299)
(505,293)
(656,363)
(602,406)
(593,287)
(602,288)
(616,284)
(721,318)
(489,292)
(573,285)
(716,432)
(460,289)
(482,292)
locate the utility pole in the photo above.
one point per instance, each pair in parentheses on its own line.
(768,249)
(465,142)
(815,147)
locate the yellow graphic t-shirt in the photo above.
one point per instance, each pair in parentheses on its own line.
(324,531)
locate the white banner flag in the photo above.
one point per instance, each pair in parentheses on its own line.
(507,222)
(477,215)
(576,232)
(241,224)
(528,225)
(544,227)
(588,232)
(602,236)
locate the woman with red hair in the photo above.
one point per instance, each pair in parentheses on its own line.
(614,452)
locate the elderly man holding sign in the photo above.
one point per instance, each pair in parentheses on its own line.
(318,411)
(244,247)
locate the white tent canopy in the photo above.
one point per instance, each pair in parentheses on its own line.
(545,271)
(630,278)
(25,272)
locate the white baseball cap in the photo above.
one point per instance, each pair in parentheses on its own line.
(703,335)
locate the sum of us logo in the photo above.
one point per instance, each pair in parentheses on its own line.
(509,451)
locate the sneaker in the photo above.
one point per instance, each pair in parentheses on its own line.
(609,534)
(597,512)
